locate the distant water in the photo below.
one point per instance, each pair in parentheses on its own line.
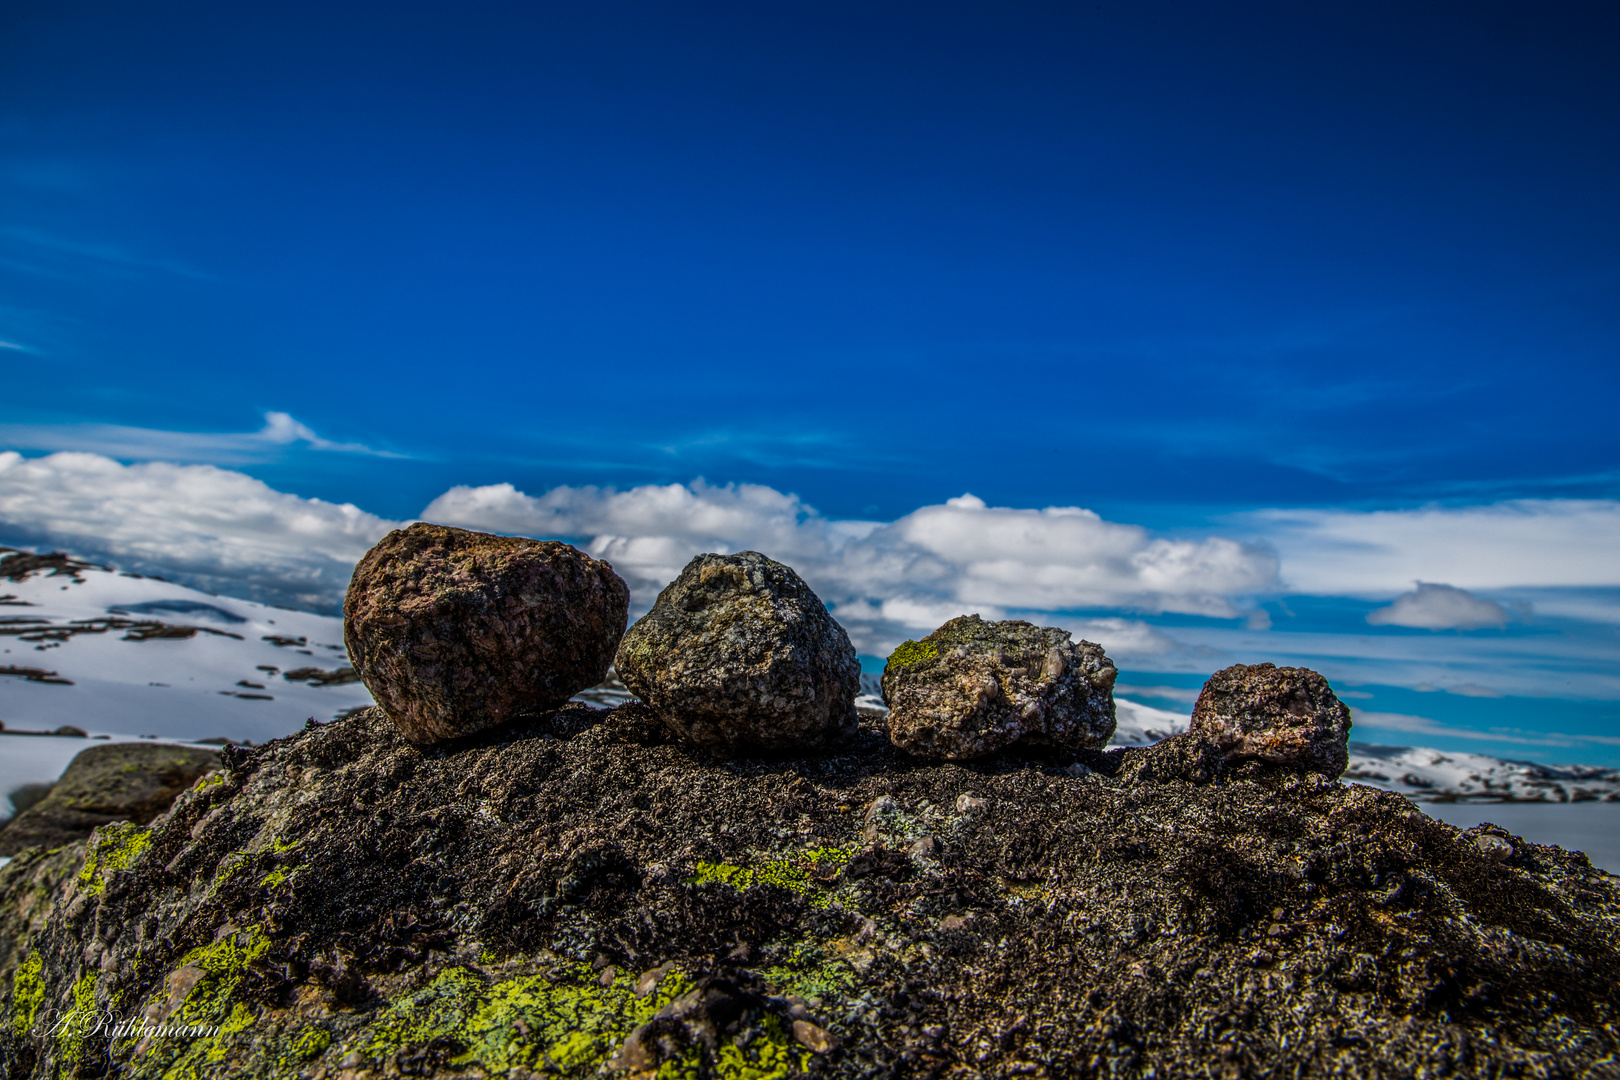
(1592,827)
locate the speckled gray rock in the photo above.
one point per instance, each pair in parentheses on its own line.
(455,631)
(973,687)
(1283,716)
(739,654)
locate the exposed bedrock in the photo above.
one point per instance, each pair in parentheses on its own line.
(738,653)
(973,687)
(455,631)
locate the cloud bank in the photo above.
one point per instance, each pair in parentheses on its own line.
(889,581)
(212,528)
(1526,542)
(1440,607)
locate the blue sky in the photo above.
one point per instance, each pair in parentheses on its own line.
(1191,267)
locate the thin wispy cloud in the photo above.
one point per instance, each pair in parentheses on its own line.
(1422,725)
(37,244)
(279,433)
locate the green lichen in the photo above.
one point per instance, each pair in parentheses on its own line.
(807,972)
(70,1031)
(213,779)
(114,847)
(563,1021)
(27,994)
(798,872)
(911,653)
(770,1055)
(210,1007)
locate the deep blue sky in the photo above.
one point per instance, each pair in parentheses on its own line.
(1161,259)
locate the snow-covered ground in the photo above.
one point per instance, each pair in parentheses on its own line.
(114,653)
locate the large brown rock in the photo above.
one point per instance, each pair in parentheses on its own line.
(134,781)
(739,654)
(455,631)
(1282,716)
(973,687)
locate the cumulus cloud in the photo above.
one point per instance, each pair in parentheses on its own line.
(212,528)
(1440,607)
(280,430)
(1523,542)
(888,581)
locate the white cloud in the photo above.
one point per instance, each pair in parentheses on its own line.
(889,581)
(147,444)
(1440,607)
(1524,542)
(212,528)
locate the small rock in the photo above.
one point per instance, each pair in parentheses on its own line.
(739,654)
(649,980)
(455,631)
(1283,716)
(925,848)
(952,922)
(71,732)
(818,1040)
(609,974)
(881,806)
(971,804)
(1493,848)
(973,687)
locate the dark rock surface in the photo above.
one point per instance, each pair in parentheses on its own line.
(738,653)
(1283,716)
(973,687)
(133,781)
(581,888)
(455,631)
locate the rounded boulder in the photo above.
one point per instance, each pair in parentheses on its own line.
(738,654)
(455,631)
(973,687)
(1282,716)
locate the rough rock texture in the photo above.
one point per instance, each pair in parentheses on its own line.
(738,653)
(134,781)
(455,631)
(580,888)
(973,687)
(1284,716)
(30,885)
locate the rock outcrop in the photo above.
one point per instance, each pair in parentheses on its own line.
(133,781)
(739,654)
(579,890)
(455,631)
(973,687)
(1281,716)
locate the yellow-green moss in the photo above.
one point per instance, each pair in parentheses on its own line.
(114,847)
(911,652)
(27,994)
(213,779)
(564,1021)
(797,872)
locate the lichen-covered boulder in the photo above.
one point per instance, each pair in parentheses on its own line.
(973,687)
(739,654)
(131,781)
(1282,716)
(455,631)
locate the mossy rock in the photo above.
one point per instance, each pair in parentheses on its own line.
(572,896)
